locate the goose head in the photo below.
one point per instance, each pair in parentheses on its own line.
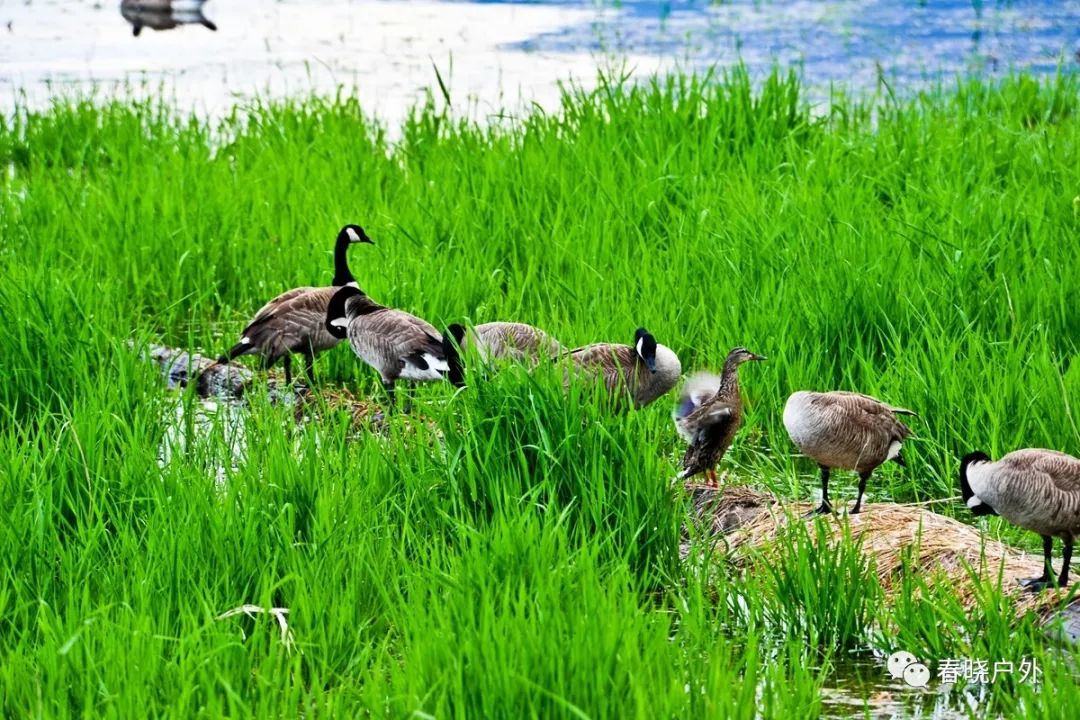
(337,315)
(353,234)
(645,344)
(973,501)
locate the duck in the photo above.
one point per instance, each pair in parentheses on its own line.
(398,345)
(645,370)
(295,321)
(845,430)
(513,341)
(163,14)
(1033,488)
(708,415)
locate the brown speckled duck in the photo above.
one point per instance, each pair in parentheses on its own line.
(709,414)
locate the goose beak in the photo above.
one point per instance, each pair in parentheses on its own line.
(650,362)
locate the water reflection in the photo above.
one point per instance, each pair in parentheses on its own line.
(163,14)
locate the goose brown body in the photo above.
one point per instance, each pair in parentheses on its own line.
(1036,489)
(845,430)
(513,341)
(624,369)
(397,344)
(294,322)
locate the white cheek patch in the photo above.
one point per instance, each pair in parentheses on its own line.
(353,235)
(894,450)
(245,340)
(340,322)
(639,344)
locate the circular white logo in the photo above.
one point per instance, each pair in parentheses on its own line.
(917,675)
(898,661)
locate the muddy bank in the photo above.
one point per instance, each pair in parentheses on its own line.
(736,520)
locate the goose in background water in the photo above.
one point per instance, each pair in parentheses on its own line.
(1038,490)
(513,341)
(709,414)
(295,321)
(397,344)
(845,430)
(163,14)
(645,370)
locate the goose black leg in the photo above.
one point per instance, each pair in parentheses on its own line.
(863,477)
(1066,559)
(1046,579)
(388,385)
(309,365)
(288,369)
(408,399)
(825,507)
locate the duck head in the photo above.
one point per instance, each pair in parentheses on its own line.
(740,355)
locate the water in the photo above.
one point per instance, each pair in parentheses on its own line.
(503,55)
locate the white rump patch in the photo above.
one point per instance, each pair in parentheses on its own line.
(341,322)
(353,235)
(436,368)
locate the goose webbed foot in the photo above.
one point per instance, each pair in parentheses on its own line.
(1038,584)
(823,509)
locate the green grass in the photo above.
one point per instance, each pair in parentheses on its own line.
(519,556)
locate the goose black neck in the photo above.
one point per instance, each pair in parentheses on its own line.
(342,275)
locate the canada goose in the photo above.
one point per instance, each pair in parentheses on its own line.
(163,14)
(395,343)
(1038,490)
(708,415)
(513,341)
(295,321)
(646,369)
(845,430)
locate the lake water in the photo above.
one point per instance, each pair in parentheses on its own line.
(504,55)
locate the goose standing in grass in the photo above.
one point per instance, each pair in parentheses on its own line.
(645,370)
(163,14)
(1038,490)
(844,430)
(709,414)
(295,321)
(512,341)
(397,344)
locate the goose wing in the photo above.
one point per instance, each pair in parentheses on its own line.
(511,339)
(1058,468)
(864,410)
(292,322)
(608,361)
(280,301)
(399,337)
